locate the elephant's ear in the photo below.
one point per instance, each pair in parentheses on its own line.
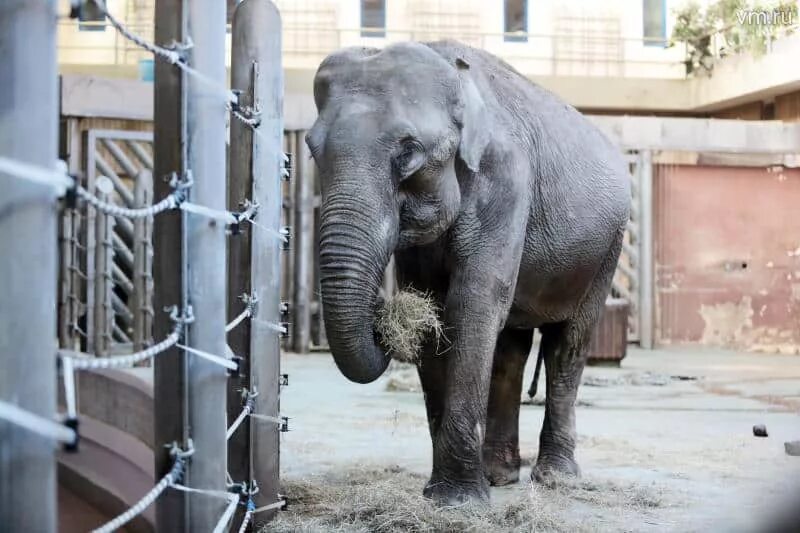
(472,119)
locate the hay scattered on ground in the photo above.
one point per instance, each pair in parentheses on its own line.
(390,501)
(404,321)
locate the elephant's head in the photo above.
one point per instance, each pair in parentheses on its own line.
(392,128)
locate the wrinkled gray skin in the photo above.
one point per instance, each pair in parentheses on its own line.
(498,198)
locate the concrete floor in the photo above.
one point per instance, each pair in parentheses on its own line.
(687,442)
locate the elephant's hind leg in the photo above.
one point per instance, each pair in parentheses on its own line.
(564,346)
(501,460)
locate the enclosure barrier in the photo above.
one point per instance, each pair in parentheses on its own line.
(182,314)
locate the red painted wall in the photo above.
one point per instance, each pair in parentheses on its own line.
(727,256)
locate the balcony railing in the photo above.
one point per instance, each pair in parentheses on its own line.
(566,54)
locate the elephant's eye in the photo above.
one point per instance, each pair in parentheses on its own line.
(409,159)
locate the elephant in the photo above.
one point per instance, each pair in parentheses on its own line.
(498,199)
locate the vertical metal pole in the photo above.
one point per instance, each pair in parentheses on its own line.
(646,250)
(320,338)
(257,40)
(303,247)
(28,271)
(143,264)
(169,151)
(206,260)
(103,261)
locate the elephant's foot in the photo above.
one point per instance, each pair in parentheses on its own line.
(449,494)
(549,470)
(501,464)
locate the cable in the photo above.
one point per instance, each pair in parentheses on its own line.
(35,423)
(36,174)
(173,476)
(233,501)
(172,201)
(216,359)
(85,362)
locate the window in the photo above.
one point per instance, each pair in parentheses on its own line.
(654,14)
(373,18)
(515,21)
(91,17)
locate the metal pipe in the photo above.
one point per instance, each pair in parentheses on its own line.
(142,285)
(169,155)
(103,259)
(207,276)
(646,251)
(28,270)
(256,68)
(303,248)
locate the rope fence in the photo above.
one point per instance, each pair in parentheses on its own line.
(40,425)
(65,185)
(169,480)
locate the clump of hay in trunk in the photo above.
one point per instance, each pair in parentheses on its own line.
(404,321)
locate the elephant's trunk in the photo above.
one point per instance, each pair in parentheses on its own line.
(355,245)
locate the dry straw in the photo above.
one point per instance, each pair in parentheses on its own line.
(405,321)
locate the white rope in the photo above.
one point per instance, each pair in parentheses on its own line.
(223,216)
(233,501)
(35,423)
(216,359)
(238,320)
(281,235)
(248,408)
(169,480)
(252,121)
(246,520)
(37,174)
(267,418)
(169,202)
(277,505)
(69,387)
(171,56)
(271,325)
(86,362)
(225,519)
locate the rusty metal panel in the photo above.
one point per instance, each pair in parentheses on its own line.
(727,246)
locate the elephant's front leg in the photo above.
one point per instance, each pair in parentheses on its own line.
(474,311)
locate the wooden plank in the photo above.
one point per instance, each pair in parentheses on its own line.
(700,135)
(95,96)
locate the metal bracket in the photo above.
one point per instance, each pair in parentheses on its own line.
(286,175)
(286,244)
(285,329)
(284,427)
(73,424)
(284,380)
(284,310)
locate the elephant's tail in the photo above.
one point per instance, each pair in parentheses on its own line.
(535,382)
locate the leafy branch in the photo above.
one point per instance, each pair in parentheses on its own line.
(729,27)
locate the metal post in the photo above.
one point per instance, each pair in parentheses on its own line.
(318,328)
(205,256)
(28,271)
(303,247)
(256,63)
(103,261)
(169,153)
(142,292)
(646,250)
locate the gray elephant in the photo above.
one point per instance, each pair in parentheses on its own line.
(497,198)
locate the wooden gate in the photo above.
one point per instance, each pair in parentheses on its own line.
(105,297)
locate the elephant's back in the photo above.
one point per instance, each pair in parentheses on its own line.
(579,184)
